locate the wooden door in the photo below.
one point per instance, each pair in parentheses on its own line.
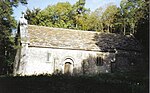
(67,68)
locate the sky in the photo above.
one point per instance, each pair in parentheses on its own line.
(92,4)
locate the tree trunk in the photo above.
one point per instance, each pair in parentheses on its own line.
(133,26)
(124,29)
(102,27)
(133,30)
(108,28)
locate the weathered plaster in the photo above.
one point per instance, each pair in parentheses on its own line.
(36,61)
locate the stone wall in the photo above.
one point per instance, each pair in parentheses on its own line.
(126,61)
(39,60)
(49,61)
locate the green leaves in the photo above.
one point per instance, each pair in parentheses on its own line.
(109,17)
(132,11)
(63,15)
(7,24)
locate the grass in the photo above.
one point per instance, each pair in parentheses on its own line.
(68,84)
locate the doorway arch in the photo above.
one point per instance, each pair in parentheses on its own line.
(68,66)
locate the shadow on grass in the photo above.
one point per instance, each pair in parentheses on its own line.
(104,83)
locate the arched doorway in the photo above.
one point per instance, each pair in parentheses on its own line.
(68,66)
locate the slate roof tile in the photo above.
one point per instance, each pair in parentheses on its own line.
(77,39)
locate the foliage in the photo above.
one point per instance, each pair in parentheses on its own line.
(7,24)
(94,20)
(103,83)
(109,16)
(142,34)
(131,12)
(31,16)
(62,15)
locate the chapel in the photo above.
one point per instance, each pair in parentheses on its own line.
(48,50)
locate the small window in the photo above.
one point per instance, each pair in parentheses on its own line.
(48,56)
(99,61)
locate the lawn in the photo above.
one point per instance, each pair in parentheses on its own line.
(69,84)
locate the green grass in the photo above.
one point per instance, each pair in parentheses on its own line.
(69,84)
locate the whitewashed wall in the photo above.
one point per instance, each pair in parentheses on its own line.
(37,63)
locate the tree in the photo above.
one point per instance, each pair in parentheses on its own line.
(94,21)
(118,22)
(135,19)
(79,14)
(7,24)
(31,16)
(62,15)
(109,16)
(142,33)
(53,16)
(131,11)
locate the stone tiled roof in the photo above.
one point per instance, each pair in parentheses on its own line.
(75,39)
(115,41)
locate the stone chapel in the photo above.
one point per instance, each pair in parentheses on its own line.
(48,50)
